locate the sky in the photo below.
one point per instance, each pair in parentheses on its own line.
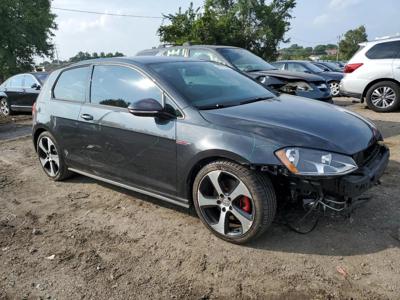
(315,22)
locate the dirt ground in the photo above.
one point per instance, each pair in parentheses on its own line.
(81,239)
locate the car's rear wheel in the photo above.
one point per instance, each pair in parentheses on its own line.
(334,86)
(383,96)
(50,157)
(5,108)
(235,203)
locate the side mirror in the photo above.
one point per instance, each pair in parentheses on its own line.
(36,86)
(148,108)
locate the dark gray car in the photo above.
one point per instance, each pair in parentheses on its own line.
(303,66)
(304,85)
(199,133)
(19,92)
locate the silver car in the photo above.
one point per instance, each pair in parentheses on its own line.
(373,74)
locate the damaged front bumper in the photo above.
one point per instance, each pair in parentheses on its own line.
(356,183)
(338,193)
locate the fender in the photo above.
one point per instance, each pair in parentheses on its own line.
(3,95)
(36,131)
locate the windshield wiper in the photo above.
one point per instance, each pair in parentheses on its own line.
(214,106)
(255,100)
(255,70)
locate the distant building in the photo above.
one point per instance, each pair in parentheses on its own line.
(332,51)
(314,57)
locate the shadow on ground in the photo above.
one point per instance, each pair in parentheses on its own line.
(371,228)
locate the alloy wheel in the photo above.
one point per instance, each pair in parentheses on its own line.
(334,86)
(225,203)
(383,97)
(48,156)
(5,110)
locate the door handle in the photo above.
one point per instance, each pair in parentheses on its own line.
(87,117)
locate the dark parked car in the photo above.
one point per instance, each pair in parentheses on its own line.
(18,93)
(304,85)
(328,66)
(333,78)
(198,133)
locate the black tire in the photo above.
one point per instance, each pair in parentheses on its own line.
(8,111)
(262,194)
(381,85)
(62,170)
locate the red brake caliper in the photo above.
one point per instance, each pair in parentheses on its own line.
(245,204)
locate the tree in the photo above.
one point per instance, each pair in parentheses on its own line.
(320,49)
(250,24)
(26,31)
(349,45)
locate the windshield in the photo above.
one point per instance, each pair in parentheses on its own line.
(207,85)
(313,68)
(245,60)
(42,77)
(332,66)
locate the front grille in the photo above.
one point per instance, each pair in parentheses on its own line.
(363,157)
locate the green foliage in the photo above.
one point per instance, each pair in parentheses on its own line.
(250,24)
(25,31)
(349,45)
(299,52)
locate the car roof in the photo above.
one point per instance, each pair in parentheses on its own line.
(381,40)
(136,60)
(39,73)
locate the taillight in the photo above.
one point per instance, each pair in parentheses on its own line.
(350,68)
(34,109)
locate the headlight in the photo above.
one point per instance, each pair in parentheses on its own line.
(292,87)
(303,161)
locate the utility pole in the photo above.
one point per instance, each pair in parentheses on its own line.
(338,48)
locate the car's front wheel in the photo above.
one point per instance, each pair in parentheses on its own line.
(5,108)
(383,96)
(334,87)
(51,158)
(235,203)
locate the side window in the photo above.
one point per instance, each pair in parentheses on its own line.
(174,52)
(295,67)
(71,85)
(29,81)
(17,81)
(121,86)
(388,50)
(204,54)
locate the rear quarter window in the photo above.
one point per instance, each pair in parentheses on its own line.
(71,84)
(388,50)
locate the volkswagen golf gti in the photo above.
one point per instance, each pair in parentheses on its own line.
(199,133)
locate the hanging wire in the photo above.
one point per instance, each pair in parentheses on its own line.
(106,13)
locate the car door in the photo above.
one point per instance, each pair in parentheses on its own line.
(138,151)
(14,91)
(396,62)
(68,93)
(31,90)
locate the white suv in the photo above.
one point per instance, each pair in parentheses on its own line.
(373,74)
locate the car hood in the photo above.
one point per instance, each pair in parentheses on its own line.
(289,75)
(295,121)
